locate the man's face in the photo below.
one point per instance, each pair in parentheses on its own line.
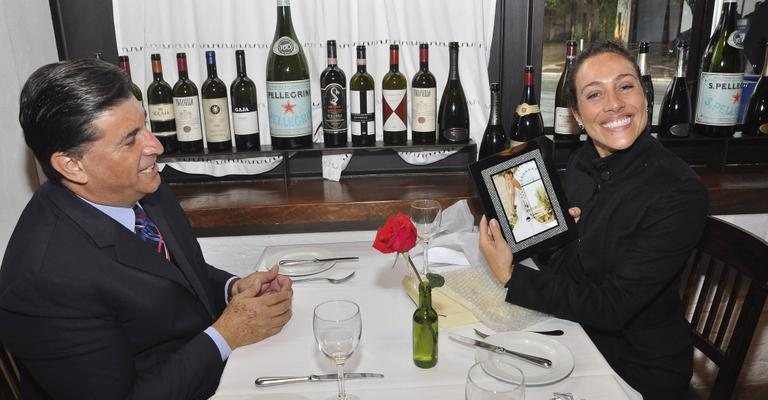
(120,165)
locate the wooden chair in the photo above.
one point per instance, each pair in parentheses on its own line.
(724,294)
(9,387)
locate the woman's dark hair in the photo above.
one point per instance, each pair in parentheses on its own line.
(594,49)
(59,102)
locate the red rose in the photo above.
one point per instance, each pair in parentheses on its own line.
(397,235)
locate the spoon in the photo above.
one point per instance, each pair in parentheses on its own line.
(331,280)
(556,332)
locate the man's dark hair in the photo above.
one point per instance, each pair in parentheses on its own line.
(594,49)
(59,102)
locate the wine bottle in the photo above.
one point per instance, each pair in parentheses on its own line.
(423,101)
(646,82)
(394,101)
(527,124)
(125,65)
(453,115)
(756,118)
(245,107)
(494,137)
(675,118)
(333,86)
(363,112)
(425,329)
(289,96)
(186,107)
(215,108)
(566,128)
(160,103)
(717,103)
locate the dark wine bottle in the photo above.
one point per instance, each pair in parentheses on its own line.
(245,107)
(717,103)
(215,108)
(494,137)
(394,101)
(453,115)
(566,128)
(289,96)
(125,65)
(756,118)
(423,101)
(675,117)
(160,103)
(333,89)
(186,107)
(646,82)
(527,124)
(363,112)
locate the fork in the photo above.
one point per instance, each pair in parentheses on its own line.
(556,332)
(331,280)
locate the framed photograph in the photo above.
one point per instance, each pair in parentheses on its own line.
(520,189)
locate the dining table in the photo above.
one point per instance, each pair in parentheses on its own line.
(385,345)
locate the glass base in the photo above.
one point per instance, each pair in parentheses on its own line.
(337,397)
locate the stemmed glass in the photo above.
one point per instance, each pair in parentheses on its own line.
(426,216)
(337,326)
(494,379)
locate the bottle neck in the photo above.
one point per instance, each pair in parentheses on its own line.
(682,56)
(331,55)
(394,60)
(424,59)
(728,16)
(529,94)
(212,71)
(284,25)
(453,72)
(642,63)
(126,67)
(495,117)
(570,55)
(425,295)
(157,70)
(240,62)
(765,60)
(181,64)
(361,65)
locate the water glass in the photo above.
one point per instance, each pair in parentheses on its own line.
(337,326)
(495,379)
(426,216)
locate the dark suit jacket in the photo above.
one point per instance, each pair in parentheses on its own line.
(93,312)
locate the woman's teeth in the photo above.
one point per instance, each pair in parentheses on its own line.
(617,123)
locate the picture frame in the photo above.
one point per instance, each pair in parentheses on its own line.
(519,188)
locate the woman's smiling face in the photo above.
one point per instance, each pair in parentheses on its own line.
(611,103)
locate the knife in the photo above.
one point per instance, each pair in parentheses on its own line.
(541,362)
(314,260)
(279,380)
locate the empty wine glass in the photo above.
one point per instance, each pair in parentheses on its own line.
(426,216)
(494,379)
(337,326)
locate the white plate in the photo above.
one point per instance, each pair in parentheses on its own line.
(533,344)
(304,253)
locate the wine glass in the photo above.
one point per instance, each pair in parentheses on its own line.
(494,379)
(426,216)
(337,326)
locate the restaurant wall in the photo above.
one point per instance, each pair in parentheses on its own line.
(26,43)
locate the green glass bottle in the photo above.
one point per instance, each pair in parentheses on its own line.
(289,98)
(245,107)
(394,100)
(423,101)
(162,120)
(361,104)
(215,108)
(125,65)
(186,107)
(425,329)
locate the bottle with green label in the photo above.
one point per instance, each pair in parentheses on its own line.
(394,100)
(186,107)
(215,108)
(289,99)
(160,108)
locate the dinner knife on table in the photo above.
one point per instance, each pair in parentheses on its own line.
(279,380)
(314,260)
(540,361)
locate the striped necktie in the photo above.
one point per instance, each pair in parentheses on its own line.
(147,230)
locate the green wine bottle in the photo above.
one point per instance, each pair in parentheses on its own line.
(245,107)
(453,115)
(215,108)
(566,128)
(289,98)
(425,329)
(186,107)
(394,100)
(125,65)
(162,120)
(424,101)
(362,106)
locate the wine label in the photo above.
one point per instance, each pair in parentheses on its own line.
(216,118)
(736,39)
(283,3)
(565,124)
(245,119)
(161,113)
(285,46)
(525,109)
(334,108)
(394,107)
(187,111)
(289,105)
(424,104)
(763,129)
(719,97)
(363,114)
(680,130)
(455,134)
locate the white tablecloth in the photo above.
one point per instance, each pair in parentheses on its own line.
(385,346)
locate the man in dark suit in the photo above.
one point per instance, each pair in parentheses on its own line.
(104,291)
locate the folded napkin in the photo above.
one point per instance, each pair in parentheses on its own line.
(455,313)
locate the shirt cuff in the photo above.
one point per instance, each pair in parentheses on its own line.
(222,344)
(226,287)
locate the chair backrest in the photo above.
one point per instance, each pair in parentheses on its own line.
(724,294)
(9,387)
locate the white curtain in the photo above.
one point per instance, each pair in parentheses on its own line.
(144,27)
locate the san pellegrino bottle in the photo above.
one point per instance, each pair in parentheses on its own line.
(425,329)
(756,119)
(646,81)
(494,137)
(363,107)
(675,117)
(215,108)
(453,115)
(527,123)
(186,107)
(566,128)
(423,101)
(289,98)
(162,119)
(333,86)
(717,103)
(245,107)
(394,100)
(125,65)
